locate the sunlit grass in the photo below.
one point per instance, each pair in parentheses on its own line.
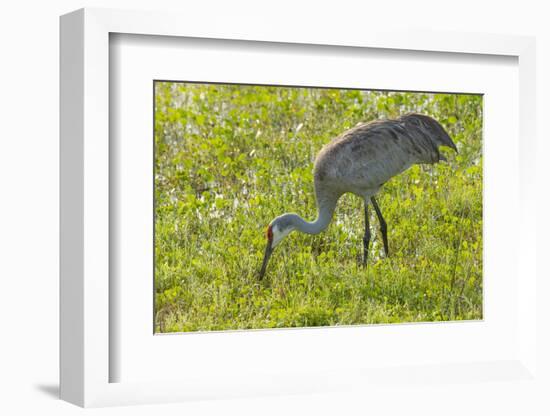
(231,158)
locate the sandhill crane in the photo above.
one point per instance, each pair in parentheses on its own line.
(360,161)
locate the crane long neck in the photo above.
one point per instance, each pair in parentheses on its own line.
(325,210)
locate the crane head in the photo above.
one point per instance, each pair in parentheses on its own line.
(279,228)
(268,250)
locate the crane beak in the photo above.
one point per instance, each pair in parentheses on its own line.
(267,255)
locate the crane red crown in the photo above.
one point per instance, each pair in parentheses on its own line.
(269,233)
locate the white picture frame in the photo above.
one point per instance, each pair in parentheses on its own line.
(86,356)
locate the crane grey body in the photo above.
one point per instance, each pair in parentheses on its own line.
(360,161)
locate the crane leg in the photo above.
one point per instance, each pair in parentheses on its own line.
(366,238)
(383,225)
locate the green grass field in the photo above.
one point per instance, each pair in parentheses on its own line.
(228,159)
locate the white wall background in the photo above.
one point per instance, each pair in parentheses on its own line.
(29,188)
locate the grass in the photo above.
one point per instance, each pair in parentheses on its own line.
(228,159)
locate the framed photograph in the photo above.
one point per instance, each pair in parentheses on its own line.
(230,158)
(281,213)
